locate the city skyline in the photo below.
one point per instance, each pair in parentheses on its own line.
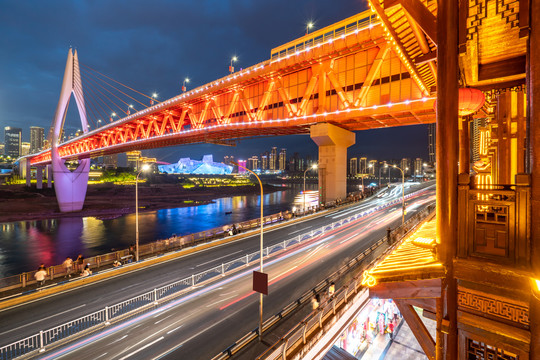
(37,60)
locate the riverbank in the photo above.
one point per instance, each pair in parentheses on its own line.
(17,202)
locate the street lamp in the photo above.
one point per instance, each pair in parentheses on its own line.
(261,247)
(402,192)
(144,168)
(369,166)
(186,80)
(112,116)
(231,68)
(314,166)
(380,168)
(309,25)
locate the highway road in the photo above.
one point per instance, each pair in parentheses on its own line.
(210,318)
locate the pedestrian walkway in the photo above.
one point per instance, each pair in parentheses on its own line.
(404,346)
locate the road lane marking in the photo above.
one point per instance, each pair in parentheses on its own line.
(173,330)
(347,239)
(141,349)
(224,256)
(165,318)
(46,318)
(306,229)
(217,302)
(102,355)
(117,340)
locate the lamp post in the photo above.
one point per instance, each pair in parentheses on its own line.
(153,99)
(309,25)
(144,168)
(261,248)
(186,80)
(369,166)
(231,68)
(380,168)
(402,193)
(314,166)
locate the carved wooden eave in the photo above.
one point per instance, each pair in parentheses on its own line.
(493,41)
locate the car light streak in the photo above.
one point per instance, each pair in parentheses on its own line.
(320,239)
(142,348)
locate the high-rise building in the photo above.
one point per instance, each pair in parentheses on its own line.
(431,143)
(363,166)
(273,159)
(418,167)
(373,168)
(405,165)
(253,162)
(134,159)
(110,161)
(282,159)
(36,139)
(353,166)
(264,162)
(13,141)
(242,165)
(25,148)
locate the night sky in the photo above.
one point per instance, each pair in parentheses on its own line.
(152,47)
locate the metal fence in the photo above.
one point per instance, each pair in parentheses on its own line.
(153,297)
(300,334)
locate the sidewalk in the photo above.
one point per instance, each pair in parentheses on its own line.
(405,346)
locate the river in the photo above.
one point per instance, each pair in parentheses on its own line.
(24,245)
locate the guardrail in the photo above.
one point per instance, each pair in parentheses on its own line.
(39,341)
(300,334)
(26,279)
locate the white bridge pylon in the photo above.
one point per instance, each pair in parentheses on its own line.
(70,186)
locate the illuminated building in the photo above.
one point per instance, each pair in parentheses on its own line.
(473,269)
(25,148)
(362,166)
(36,139)
(205,167)
(12,141)
(353,166)
(283,159)
(273,159)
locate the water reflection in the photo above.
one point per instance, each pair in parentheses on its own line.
(26,244)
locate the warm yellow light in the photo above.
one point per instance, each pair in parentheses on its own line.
(187,80)
(234,58)
(537,284)
(145,167)
(314,166)
(154,95)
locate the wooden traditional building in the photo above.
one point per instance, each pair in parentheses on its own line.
(476,268)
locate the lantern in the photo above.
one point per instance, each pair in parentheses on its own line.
(470,101)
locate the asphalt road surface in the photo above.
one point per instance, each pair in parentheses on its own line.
(209,318)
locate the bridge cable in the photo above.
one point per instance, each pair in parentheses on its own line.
(140,93)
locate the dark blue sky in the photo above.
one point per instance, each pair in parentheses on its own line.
(152,47)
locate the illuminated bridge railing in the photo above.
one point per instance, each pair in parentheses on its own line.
(365,20)
(146,301)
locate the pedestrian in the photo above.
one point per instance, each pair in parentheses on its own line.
(331,290)
(40,275)
(68,265)
(315,302)
(86,271)
(234,230)
(79,262)
(131,253)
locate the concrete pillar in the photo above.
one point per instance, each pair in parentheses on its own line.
(28,173)
(39,177)
(49,176)
(333,142)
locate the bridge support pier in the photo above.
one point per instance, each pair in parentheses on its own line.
(333,142)
(39,177)
(49,176)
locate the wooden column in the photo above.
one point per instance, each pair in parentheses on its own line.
(447,156)
(464,145)
(533,85)
(504,104)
